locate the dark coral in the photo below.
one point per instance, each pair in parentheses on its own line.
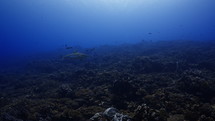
(149,81)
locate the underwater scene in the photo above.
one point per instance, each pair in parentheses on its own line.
(107,60)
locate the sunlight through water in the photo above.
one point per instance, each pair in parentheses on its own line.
(113,5)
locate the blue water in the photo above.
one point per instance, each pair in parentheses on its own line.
(66,60)
(31,26)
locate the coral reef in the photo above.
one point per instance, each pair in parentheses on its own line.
(148,81)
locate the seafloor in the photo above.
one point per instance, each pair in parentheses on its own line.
(148,81)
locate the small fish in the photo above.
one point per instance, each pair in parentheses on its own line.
(90,49)
(149,33)
(68,47)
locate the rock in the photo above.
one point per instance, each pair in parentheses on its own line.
(65,91)
(96,117)
(110,114)
(121,117)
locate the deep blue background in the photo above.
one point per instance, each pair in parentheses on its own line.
(28,26)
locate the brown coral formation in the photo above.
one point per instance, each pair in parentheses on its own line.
(160,81)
